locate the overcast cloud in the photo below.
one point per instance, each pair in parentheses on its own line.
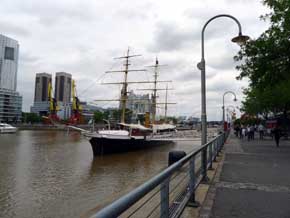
(82,37)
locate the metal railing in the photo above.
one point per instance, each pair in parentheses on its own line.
(166,194)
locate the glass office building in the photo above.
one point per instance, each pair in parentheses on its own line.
(10,106)
(10,100)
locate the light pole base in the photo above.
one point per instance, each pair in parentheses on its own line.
(205,180)
(194,204)
(210,168)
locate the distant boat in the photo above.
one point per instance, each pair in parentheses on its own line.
(6,128)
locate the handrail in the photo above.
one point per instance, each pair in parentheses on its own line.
(122,204)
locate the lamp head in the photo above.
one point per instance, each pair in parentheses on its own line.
(240,39)
(235,99)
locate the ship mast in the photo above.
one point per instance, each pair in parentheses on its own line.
(124,90)
(165,107)
(155,89)
(125,83)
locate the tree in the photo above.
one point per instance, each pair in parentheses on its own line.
(106,114)
(98,116)
(266,62)
(116,115)
(31,118)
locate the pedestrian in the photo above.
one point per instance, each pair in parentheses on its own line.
(241,132)
(238,130)
(261,130)
(272,133)
(277,135)
(244,132)
(252,130)
(249,132)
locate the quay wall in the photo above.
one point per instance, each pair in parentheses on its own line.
(53,127)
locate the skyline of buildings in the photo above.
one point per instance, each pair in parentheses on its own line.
(62,94)
(10,99)
(62,85)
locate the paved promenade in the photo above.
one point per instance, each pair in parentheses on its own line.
(254,181)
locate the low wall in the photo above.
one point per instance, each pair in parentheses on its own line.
(53,127)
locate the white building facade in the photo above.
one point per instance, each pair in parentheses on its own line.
(9,50)
(10,100)
(138,104)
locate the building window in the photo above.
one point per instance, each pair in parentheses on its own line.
(44,96)
(61,88)
(9,53)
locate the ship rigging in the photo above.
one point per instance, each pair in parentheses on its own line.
(131,136)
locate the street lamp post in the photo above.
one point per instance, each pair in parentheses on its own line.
(235,99)
(230,114)
(201,66)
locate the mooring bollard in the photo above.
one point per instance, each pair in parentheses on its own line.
(175,156)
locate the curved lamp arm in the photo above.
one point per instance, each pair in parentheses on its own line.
(228,92)
(213,18)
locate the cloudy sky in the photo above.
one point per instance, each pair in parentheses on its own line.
(82,37)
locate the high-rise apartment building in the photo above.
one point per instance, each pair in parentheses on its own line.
(62,94)
(41,101)
(62,88)
(10,100)
(41,87)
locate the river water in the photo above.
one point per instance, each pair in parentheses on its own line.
(54,174)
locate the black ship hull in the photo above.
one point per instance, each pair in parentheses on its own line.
(103,146)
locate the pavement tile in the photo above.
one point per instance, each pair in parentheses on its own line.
(230,203)
(255,180)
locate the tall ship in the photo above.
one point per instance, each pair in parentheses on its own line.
(133,136)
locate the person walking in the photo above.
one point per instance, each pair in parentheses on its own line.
(261,130)
(238,131)
(249,132)
(252,130)
(242,132)
(277,135)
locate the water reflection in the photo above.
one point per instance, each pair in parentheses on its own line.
(52,174)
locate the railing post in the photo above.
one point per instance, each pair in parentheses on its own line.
(205,179)
(210,156)
(215,150)
(164,199)
(221,141)
(192,202)
(217,145)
